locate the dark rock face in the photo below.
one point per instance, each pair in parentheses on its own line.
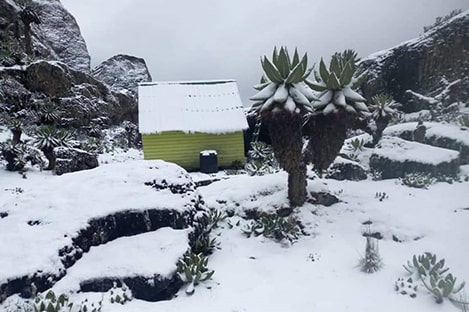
(346,170)
(153,289)
(101,231)
(123,73)
(56,38)
(72,159)
(322,198)
(437,60)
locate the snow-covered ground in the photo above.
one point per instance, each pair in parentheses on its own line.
(319,272)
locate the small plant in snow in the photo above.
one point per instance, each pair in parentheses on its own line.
(52,303)
(435,277)
(357,144)
(381,196)
(192,269)
(417,180)
(261,160)
(120,295)
(464,121)
(371,262)
(214,218)
(406,287)
(274,227)
(205,245)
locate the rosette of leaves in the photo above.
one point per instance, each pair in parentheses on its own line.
(337,86)
(261,159)
(49,113)
(47,138)
(192,269)
(339,108)
(282,100)
(383,109)
(435,277)
(274,227)
(51,303)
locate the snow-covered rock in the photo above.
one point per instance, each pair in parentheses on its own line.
(436,134)
(92,208)
(72,159)
(122,73)
(394,157)
(426,71)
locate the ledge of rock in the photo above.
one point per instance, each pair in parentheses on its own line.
(436,134)
(150,273)
(94,207)
(72,159)
(394,157)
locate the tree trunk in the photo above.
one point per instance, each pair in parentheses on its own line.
(381,124)
(326,137)
(297,186)
(285,130)
(49,153)
(16,136)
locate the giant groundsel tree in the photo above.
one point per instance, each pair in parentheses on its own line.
(339,107)
(282,101)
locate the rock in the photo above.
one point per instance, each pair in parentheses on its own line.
(436,134)
(323,198)
(344,169)
(53,79)
(394,158)
(419,132)
(56,38)
(123,73)
(426,71)
(72,159)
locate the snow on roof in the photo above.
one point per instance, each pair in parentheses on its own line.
(190,106)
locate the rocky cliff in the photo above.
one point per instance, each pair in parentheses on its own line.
(122,73)
(431,69)
(50,30)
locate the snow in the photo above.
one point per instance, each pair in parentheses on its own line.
(210,107)
(152,253)
(65,204)
(433,129)
(317,273)
(401,150)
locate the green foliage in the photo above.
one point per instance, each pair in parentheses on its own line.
(18,155)
(282,86)
(49,113)
(371,262)
(192,269)
(434,276)
(337,85)
(52,303)
(464,121)
(383,106)
(441,19)
(274,227)
(261,159)
(357,144)
(417,180)
(47,137)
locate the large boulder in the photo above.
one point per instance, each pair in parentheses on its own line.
(345,169)
(73,159)
(123,73)
(394,158)
(429,70)
(56,38)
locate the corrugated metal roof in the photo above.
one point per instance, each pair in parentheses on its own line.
(190,106)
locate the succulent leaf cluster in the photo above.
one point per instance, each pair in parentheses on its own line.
(192,269)
(434,276)
(383,106)
(275,227)
(283,85)
(51,303)
(48,137)
(337,85)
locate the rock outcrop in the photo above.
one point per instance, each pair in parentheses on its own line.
(56,37)
(431,69)
(123,73)
(394,158)
(72,159)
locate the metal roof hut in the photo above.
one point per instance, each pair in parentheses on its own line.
(178,120)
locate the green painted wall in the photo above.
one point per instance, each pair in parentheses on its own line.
(184,148)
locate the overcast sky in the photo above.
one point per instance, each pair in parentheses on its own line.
(217,39)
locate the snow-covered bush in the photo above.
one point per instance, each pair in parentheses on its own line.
(18,155)
(52,303)
(120,295)
(274,227)
(435,277)
(261,160)
(192,269)
(418,180)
